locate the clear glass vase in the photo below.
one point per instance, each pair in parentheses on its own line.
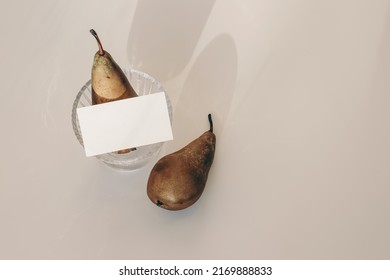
(143,84)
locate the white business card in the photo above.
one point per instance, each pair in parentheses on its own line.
(126,123)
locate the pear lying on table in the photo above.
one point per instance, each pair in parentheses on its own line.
(109,83)
(177,180)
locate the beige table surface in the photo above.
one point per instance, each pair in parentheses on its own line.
(300,94)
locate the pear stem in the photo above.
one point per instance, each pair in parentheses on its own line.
(101,50)
(211,123)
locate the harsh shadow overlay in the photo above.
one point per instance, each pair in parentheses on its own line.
(208,88)
(164,34)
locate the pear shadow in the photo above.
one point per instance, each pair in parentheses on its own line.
(380,77)
(164,34)
(208,88)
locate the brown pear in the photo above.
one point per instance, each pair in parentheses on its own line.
(177,180)
(109,83)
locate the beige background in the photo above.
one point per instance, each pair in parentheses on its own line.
(300,94)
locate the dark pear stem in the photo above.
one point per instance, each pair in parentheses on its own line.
(101,50)
(211,123)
